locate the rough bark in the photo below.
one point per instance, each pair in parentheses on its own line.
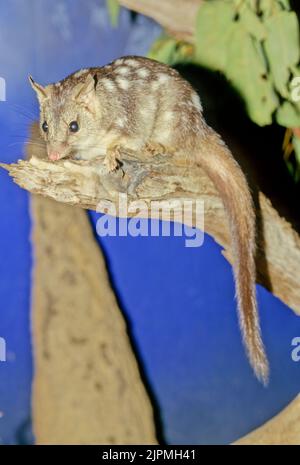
(282,430)
(278,264)
(87,388)
(158,178)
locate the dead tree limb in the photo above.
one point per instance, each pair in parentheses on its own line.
(176,16)
(87,184)
(282,430)
(87,387)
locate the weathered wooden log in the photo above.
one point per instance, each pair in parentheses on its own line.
(87,387)
(88,184)
(282,430)
(178,17)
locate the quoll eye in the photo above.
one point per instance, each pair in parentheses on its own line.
(45,126)
(73,126)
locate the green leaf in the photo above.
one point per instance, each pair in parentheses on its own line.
(266,7)
(171,52)
(252,4)
(288,116)
(215,22)
(113,7)
(246,69)
(252,24)
(290,168)
(163,50)
(285,3)
(282,47)
(295,70)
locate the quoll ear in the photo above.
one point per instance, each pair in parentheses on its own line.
(41,91)
(84,92)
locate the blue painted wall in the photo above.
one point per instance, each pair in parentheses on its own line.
(179,301)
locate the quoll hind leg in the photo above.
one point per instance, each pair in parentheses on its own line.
(154,148)
(114,152)
(158,148)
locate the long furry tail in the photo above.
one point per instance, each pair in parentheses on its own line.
(218,163)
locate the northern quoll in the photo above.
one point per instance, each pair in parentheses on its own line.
(140,104)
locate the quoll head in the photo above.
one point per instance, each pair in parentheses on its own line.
(67,114)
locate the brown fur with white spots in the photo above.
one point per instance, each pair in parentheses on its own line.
(137,103)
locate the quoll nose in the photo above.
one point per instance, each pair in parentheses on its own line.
(54,155)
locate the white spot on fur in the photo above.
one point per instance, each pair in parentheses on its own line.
(123,70)
(162,78)
(148,108)
(142,73)
(119,61)
(122,83)
(196,102)
(145,112)
(168,116)
(155,85)
(79,73)
(108,84)
(121,122)
(132,62)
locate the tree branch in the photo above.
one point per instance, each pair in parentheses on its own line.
(282,430)
(176,16)
(87,387)
(87,183)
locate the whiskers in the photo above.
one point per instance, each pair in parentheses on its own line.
(30,146)
(24,140)
(21,119)
(24,112)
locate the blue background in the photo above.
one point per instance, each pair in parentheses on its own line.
(179,301)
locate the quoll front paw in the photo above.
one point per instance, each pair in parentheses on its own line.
(111,163)
(112,159)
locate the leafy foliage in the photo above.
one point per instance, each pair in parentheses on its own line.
(255,44)
(171,51)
